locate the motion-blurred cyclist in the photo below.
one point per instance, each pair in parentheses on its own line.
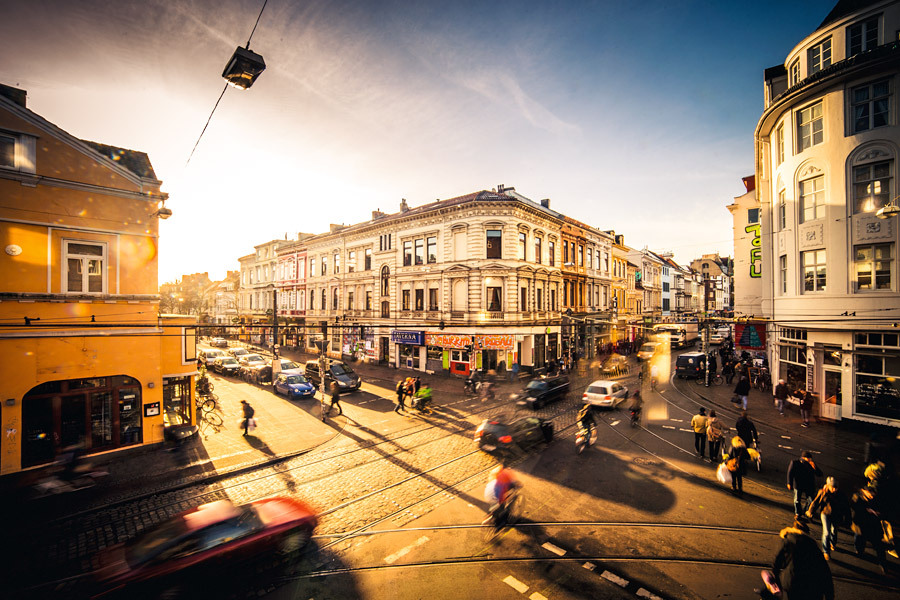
(500,491)
(586,419)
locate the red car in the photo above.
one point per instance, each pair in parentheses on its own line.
(209,537)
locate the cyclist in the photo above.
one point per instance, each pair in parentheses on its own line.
(637,404)
(499,492)
(423,397)
(586,419)
(654,376)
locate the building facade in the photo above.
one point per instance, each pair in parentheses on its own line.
(828,148)
(88,359)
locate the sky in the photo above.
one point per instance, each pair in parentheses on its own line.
(632,116)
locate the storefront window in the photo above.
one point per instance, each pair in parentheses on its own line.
(878,385)
(435,353)
(177,401)
(793,367)
(407,351)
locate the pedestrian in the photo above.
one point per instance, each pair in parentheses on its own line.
(781,395)
(806,403)
(713,364)
(417,384)
(736,460)
(801,479)
(514,372)
(800,567)
(401,392)
(698,423)
(248,413)
(336,397)
(728,371)
(747,430)
(742,389)
(866,525)
(715,431)
(835,511)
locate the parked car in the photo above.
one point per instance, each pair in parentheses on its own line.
(226,365)
(294,385)
(208,356)
(289,366)
(256,373)
(616,364)
(715,338)
(504,434)
(541,390)
(218,535)
(690,365)
(218,342)
(346,378)
(605,393)
(252,360)
(238,351)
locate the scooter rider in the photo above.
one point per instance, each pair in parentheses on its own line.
(637,403)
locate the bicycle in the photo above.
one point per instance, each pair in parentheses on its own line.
(204,386)
(583,438)
(207,402)
(713,379)
(502,516)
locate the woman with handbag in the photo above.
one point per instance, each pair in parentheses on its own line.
(714,433)
(248,415)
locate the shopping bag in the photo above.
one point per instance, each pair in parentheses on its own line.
(723,474)
(252,425)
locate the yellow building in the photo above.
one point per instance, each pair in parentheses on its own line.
(87,359)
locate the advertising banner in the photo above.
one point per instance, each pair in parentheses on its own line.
(750,336)
(447,340)
(495,342)
(414,338)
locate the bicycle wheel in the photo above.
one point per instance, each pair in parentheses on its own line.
(717,380)
(208,404)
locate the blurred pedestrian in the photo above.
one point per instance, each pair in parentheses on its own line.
(728,371)
(866,525)
(713,364)
(715,431)
(835,511)
(736,460)
(401,393)
(747,430)
(248,413)
(698,423)
(742,390)
(417,384)
(800,566)
(336,397)
(781,395)
(806,403)
(801,479)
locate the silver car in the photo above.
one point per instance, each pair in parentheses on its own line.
(605,393)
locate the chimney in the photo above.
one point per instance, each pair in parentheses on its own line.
(333,227)
(501,188)
(377,214)
(14,94)
(545,202)
(403,207)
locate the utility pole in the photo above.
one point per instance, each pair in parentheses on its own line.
(704,340)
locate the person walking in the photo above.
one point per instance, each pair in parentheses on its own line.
(736,460)
(715,431)
(806,402)
(728,371)
(401,392)
(742,389)
(781,395)
(801,479)
(417,384)
(746,430)
(835,510)
(800,567)
(698,423)
(865,522)
(248,413)
(713,364)
(336,398)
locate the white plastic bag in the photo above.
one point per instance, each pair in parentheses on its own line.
(252,425)
(723,474)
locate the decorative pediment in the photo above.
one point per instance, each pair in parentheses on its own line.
(525,269)
(457,269)
(873,153)
(809,171)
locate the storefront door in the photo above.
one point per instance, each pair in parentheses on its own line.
(831,407)
(384,347)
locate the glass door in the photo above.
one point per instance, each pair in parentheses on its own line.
(102,420)
(72,421)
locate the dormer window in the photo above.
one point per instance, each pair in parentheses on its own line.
(862,36)
(7,151)
(818,57)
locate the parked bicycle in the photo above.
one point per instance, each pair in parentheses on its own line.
(762,380)
(204,386)
(207,402)
(713,379)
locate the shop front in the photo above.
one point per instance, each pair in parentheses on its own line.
(449,352)
(494,352)
(410,347)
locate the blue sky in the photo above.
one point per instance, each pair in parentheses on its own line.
(637,117)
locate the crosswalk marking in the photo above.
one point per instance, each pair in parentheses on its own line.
(614,578)
(515,584)
(554,549)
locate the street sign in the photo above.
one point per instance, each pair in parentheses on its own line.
(322,345)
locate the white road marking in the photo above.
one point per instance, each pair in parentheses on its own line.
(554,549)
(404,551)
(677,420)
(785,437)
(785,447)
(616,422)
(589,566)
(614,578)
(684,429)
(515,584)
(536,596)
(668,427)
(649,595)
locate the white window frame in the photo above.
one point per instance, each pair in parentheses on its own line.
(820,261)
(783,272)
(815,126)
(104,261)
(811,200)
(782,209)
(873,272)
(869,105)
(15,144)
(818,57)
(794,72)
(871,184)
(779,144)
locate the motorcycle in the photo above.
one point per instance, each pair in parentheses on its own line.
(585,438)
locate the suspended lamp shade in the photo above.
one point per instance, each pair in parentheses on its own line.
(243,68)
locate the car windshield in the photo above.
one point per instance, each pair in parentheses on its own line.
(648,347)
(537,385)
(150,543)
(295,379)
(229,361)
(240,351)
(286,365)
(214,353)
(253,357)
(597,389)
(341,370)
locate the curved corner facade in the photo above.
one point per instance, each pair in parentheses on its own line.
(827,159)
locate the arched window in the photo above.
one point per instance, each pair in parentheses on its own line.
(385,281)
(324,300)
(334,298)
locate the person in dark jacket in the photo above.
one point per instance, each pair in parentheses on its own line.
(736,459)
(401,393)
(336,397)
(742,389)
(728,371)
(747,430)
(801,479)
(800,566)
(713,364)
(866,525)
(806,405)
(248,413)
(835,508)
(781,395)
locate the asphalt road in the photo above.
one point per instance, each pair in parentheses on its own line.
(400,498)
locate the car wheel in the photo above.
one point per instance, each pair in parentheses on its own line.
(293,542)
